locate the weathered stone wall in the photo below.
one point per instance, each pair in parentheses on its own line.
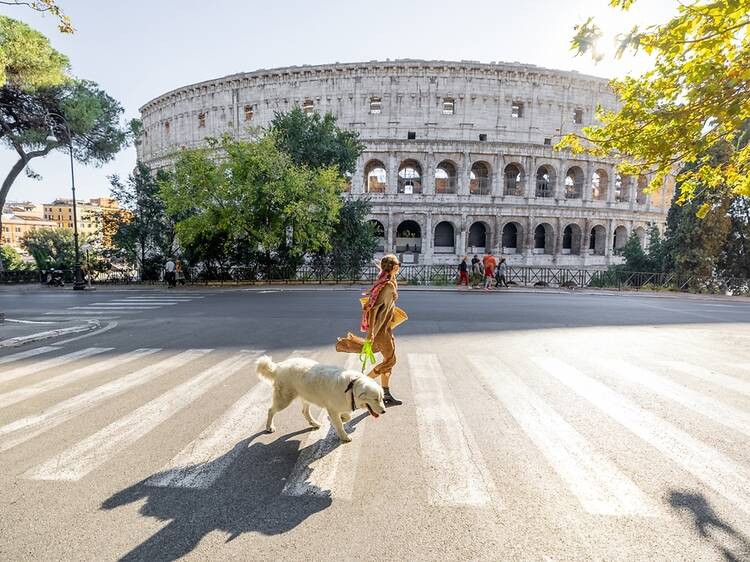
(412,124)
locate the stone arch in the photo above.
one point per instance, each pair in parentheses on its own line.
(478,239)
(512,238)
(446,180)
(376,177)
(640,195)
(408,237)
(597,240)
(599,185)
(444,238)
(480,180)
(640,232)
(410,177)
(379,230)
(623,185)
(544,239)
(571,239)
(545,181)
(620,238)
(574,183)
(514,179)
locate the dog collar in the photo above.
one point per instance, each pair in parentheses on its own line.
(349,387)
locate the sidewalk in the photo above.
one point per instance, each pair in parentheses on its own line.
(14,333)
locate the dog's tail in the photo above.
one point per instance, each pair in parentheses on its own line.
(266,369)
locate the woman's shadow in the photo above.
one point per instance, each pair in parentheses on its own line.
(245,498)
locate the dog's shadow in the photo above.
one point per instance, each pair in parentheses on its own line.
(245,498)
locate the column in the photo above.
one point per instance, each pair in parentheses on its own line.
(610,239)
(530,177)
(391,186)
(588,181)
(612,171)
(462,235)
(586,237)
(428,239)
(560,181)
(557,247)
(428,174)
(390,233)
(358,178)
(497,176)
(463,175)
(497,236)
(528,239)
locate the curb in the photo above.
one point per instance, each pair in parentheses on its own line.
(39,336)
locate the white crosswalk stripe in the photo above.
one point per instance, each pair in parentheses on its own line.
(23,393)
(730,383)
(80,459)
(325,466)
(12,358)
(595,480)
(453,463)
(707,464)
(88,312)
(33,368)
(705,405)
(22,430)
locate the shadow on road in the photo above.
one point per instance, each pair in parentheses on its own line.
(245,498)
(733,545)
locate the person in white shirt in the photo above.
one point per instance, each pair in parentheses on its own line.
(169,273)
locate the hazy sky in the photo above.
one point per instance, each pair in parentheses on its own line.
(139,49)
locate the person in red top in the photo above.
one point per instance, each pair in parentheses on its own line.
(490,263)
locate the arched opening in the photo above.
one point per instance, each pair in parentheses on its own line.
(597,240)
(511,238)
(479,179)
(571,242)
(599,183)
(478,237)
(375,177)
(545,182)
(640,195)
(622,188)
(348,184)
(574,183)
(410,177)
(445,177)
(408,237)
(513,180)
(379,231)
(445,238)
(621,237)
(543,239)
(640,232)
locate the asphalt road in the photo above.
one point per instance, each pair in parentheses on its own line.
(535,426)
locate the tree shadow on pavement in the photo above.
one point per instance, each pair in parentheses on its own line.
(245,498)
(732,544)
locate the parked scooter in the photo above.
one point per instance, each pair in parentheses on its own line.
(55,278)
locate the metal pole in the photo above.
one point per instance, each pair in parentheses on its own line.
(78,283)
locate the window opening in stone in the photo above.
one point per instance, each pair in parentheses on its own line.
(410,177)
(375,105)
(599,185)
(166,127)
(479,179)
(448,106)
(547,141)
(516,109)
(477,238)
(308,106)
(574,183)
(482,136)
(513,180)
(201,120)
(578,116)
(445,178)
(249,113)
(544,185)
(375,177)
(510,238)
(411,135)
(445,238)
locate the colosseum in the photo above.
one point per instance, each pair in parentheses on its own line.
(459,156)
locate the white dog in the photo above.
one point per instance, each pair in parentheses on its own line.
(337,391)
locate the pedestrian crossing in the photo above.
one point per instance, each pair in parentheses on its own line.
(126,305)
(456,465)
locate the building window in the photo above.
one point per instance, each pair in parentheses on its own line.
(375,105)
(578,116)
(547,142)
(482,136)
(448,106)
(248,113)
(516,109)
(166,127)
(201,120)
(308,106)
(411,135)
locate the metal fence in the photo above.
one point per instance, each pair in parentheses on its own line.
(426,275)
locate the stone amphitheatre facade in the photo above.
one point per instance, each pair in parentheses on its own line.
(459,156)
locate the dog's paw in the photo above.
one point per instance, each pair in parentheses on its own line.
(345,417)
(315,425)
(345,438)
(271,428)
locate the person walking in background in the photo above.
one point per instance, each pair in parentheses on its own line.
(463,272)
(502,270)
(476,271)
(490,263)
(179,273)
(169,273)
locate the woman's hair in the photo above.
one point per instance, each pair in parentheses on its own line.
(388,262)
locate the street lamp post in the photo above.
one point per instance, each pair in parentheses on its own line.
(78,283)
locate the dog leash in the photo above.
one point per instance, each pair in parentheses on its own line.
(366,355)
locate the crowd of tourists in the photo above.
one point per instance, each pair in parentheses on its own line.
(488,271)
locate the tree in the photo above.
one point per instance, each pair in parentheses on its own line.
(635,257)
(31,124)
(11,259)
(734,260)
(51,248)
(693,99)
(143,231)
(27,60)
(45,6)
(257,196)
(353,242)
(316,141)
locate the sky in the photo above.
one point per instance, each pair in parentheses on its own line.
(139,49)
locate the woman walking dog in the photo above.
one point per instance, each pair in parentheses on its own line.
(379,314)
